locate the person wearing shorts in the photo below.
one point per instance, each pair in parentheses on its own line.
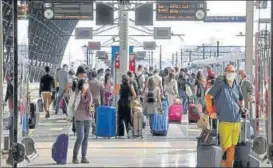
(228,101)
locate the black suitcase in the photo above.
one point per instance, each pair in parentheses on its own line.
(40,105)
(243,148)
(32,119)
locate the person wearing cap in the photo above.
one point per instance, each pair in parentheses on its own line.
(228,100)
(247,88)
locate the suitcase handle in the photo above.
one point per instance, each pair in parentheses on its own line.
(217,124)
(245,130)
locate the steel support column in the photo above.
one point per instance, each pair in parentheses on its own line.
(124,42)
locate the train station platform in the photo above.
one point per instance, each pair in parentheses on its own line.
(177,149)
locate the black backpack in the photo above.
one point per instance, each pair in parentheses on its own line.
(150,75)
(138,81)
(151,96)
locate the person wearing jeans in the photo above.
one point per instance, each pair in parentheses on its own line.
(183,96)
(62,79)
(182,81)
(83,99)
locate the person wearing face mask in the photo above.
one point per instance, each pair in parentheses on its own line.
(82,117)
(228,101)
(247,88)
(62,79)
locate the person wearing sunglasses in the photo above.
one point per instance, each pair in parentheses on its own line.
(228,100)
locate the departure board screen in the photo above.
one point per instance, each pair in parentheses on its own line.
(68,9)
(181,11)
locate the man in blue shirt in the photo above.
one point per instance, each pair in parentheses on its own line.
(228,99)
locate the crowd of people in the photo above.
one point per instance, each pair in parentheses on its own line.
(220,96)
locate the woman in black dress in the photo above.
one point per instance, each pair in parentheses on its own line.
(126,94)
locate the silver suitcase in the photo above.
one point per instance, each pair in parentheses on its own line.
(209,155)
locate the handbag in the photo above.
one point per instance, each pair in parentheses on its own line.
(73,103)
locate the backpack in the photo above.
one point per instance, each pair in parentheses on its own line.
(138,81)
(150,75)
(151,96)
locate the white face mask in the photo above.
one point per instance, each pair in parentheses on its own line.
(231,76)
(86,86)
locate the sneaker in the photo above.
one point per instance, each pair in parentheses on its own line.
(47,116)
(84,160)
(75,160)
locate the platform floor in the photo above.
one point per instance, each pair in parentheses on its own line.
(177,149)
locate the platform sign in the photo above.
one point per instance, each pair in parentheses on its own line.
(68,9)
(181,10)
(102,55)
(149,45)
(140,55)
(83,33)
(92,45)
(162,33)
(227,19)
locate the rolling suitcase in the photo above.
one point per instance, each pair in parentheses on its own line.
(159,123)
(33,116)
(137,124)
(60,148)
(106,121)
(243,148)
(175,112)
(194,112)
(40,105)
(209,154)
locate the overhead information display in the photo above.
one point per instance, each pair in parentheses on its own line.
(68,10)
(181,11)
